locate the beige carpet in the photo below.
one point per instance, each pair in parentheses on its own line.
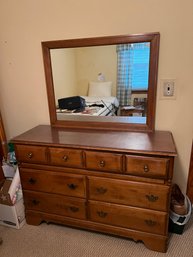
(58,241)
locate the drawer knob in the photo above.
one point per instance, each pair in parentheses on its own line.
(150,223)
(102,163)
(72,186)
(74,209)
(102,214)
(32,181)
(35,202)
(30,155)
(65,158)
(101,190)
(146,168)
(152,198)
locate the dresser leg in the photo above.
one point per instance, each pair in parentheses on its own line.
(156,244)
(33,219)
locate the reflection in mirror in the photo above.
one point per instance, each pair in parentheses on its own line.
(109,81)
(113,80)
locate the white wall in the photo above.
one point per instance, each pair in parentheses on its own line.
(24,24)
(94,60)
(64,73)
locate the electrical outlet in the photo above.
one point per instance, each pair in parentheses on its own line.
(168,89)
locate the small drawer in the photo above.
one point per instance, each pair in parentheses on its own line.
(147,166)
(53,182)
(32,154)
(131,193)
(103,161)
(129,217)
(55,204)
(66,157)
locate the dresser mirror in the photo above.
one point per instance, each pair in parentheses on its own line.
(103,83)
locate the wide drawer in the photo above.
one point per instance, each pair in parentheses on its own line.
(103,161)
(129,192)
(66,157)
(32,154)
(129,217)
(147,166)
(55,204)
(53,182)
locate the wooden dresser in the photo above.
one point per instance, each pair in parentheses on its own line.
(113,182)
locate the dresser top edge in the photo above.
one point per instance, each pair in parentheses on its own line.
(157,142)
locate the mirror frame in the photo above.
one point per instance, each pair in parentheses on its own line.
(153,38)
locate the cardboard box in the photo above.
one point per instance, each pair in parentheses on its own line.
(13,216)
(9,189)
(12,213)
(4,189)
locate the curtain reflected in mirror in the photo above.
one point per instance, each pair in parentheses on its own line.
(132,70)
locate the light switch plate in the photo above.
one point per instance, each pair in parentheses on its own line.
(168,89)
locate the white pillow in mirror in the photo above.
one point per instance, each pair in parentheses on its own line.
(100,88)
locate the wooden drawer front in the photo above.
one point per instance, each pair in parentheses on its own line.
(104,161)
(129,217)
(129,192)
(53,182)
(147,166)
(66,157)
(55,204)
(32,154)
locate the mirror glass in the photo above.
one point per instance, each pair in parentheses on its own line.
(108,82)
